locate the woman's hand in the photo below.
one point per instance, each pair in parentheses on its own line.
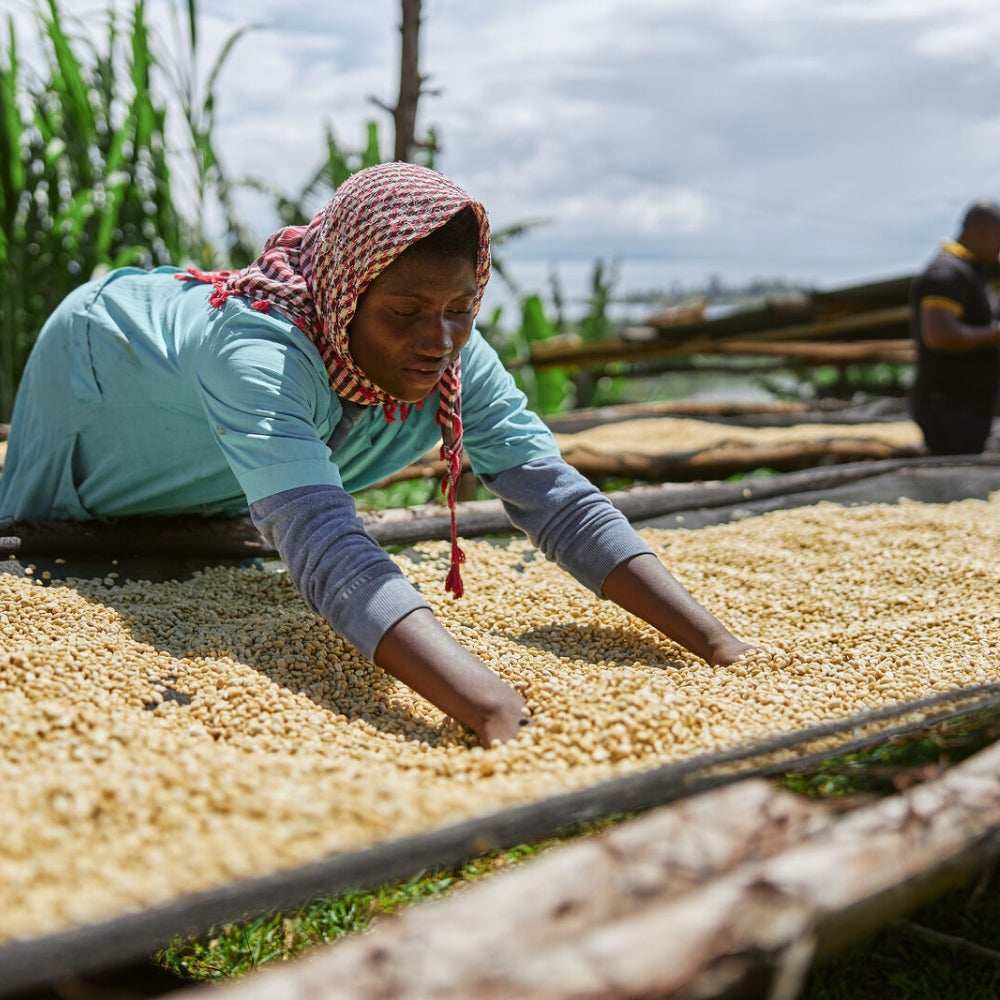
(728,651)
(420,652)
(506,722)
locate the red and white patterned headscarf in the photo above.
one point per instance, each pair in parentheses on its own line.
(316,273)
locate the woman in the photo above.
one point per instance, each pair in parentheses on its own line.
(339,356)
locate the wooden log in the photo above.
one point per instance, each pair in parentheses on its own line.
(641,502)
(774,310)
(595,416)
(891,324)
(645,501)
(783,414)
(707,463)
(718,463)
(136,538)
(868,295)
(895,352)
(733,892)
(238,538)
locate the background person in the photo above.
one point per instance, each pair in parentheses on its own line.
(341,355)
(954,323)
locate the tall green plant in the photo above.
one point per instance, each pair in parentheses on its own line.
(596,324)
(196,104)
(84,175)
(549,390)
(338,164)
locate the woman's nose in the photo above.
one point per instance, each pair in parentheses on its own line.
(433,337)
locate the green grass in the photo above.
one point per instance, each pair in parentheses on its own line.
(902,761)
(88,177)
(408,493)
(898,962)
(234,949)
(231,950)
(907,962)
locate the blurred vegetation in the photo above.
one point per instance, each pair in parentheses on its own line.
(556,390)
(88,181)
(841,381)
(85,178)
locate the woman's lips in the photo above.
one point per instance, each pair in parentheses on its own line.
(425,378)
(426,374)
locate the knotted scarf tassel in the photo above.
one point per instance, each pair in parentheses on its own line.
(453,581)
(449,487)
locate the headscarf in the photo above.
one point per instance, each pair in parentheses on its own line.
(316,273)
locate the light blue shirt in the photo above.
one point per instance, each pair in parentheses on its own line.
(141,398)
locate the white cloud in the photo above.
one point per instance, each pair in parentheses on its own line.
(976,37)
(844,135)
(645,212)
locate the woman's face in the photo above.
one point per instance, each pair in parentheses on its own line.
(412,321)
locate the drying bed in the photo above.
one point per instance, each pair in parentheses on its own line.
(185,752)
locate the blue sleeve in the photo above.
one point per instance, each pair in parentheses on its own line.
(568,518)
(338,568)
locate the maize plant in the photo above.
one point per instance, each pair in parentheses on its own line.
(84,177)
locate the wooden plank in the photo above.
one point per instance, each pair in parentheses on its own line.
(784,414)
(708,409)
(811,352)
(706,463)
(736,889)
(718,463)
(237,537)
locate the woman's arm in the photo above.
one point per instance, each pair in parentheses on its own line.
(576,526)
(420,652)
(349,580)
(644,586)
(567,517)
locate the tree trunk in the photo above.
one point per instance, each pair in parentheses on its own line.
(729,893)
(405,113)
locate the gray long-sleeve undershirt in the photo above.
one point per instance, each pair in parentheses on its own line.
(345,576)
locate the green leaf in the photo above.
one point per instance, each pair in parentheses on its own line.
(11,127)
(371,154)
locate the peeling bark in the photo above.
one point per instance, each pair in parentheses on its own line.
(730,893)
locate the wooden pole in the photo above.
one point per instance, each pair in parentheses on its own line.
(238,538)
(732,892)
(601,352)
(404,113)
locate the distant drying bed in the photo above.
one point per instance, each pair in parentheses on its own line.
(160,739)
(665,435)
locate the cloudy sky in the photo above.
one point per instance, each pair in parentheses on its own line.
(825,141)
